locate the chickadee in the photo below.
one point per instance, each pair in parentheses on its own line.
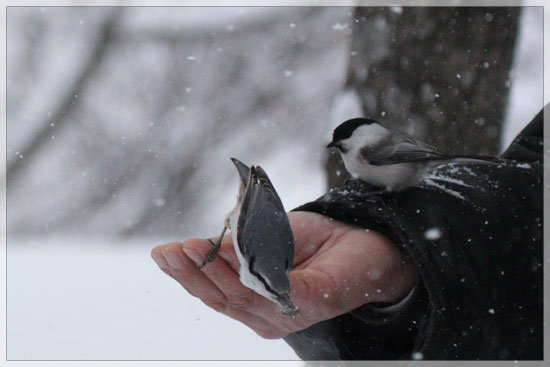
(262,238)
(386,158)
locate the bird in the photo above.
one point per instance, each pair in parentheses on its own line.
(389,159)
(262,238)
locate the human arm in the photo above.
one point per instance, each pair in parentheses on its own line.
(474,233)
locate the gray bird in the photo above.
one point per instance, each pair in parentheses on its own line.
(262,238)
(389,159)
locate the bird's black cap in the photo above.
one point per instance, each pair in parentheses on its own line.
(346,128)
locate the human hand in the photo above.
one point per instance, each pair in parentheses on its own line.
(337,268)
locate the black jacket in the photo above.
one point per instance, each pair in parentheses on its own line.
(475,235)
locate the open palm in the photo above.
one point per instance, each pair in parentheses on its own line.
(337,268)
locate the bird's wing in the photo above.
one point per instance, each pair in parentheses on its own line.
(263,230)
(398,148)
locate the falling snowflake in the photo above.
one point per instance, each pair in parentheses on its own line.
(432,234)
(339,26)
(397,9)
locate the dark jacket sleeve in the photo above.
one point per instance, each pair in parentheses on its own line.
(474,232)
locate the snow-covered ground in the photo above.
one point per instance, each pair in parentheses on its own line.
(97,299)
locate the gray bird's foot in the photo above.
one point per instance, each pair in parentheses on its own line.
(290,312)
(287,307)
(216,246)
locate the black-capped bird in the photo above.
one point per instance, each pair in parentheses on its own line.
(388,159)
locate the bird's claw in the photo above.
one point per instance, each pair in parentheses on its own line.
(290,312)
(216,246)
(211,256)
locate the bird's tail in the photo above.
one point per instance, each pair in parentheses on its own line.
(287,307)
(242,168)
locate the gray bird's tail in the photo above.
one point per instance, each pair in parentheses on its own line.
(242,169)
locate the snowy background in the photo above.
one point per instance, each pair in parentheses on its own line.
(136,155)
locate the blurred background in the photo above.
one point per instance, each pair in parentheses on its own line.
(121,122)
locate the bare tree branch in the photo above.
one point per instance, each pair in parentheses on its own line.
(199,34)
(58,118)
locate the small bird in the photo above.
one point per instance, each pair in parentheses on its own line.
(386,158)
(262,238)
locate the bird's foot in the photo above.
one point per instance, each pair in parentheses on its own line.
(290,312)
(287,307)
(216,246)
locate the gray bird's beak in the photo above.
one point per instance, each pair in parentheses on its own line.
(332,145)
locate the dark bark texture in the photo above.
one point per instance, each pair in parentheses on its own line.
(438,74)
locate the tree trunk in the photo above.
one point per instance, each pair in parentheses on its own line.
(438,74)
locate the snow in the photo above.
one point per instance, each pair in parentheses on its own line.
(339,26)
(178,116)
(523,165)
(93,298)
(447,179)
(104,298)
(443,188)
(300,93)
(433,233)
(396,9)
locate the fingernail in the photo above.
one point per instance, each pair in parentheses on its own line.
(161,262)
(194,255)
(173,259)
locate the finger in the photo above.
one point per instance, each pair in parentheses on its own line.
(202,288)
(272,313)
(227,253)
(259,325)
(185,272)
(227,280)
(156,254)
(242,303)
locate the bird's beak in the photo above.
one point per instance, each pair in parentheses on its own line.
(332,145)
